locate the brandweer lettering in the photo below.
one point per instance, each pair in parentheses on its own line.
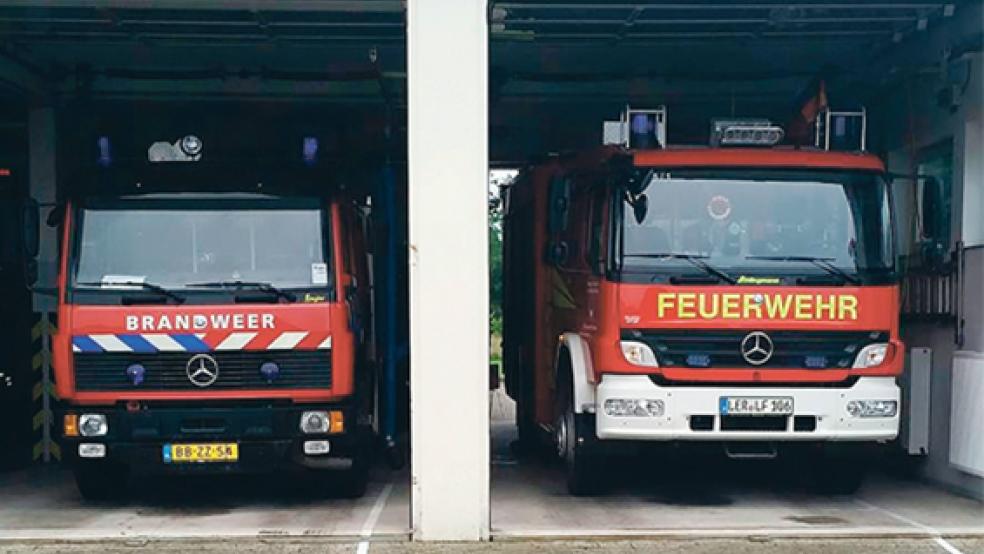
(694,305)
(197,322)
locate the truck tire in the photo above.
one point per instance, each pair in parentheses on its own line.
(575,440)
(102,482)
(352,482)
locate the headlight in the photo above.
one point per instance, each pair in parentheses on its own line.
(871,356)
(634,407)
(638,353)
(314,422)
(92,450)
(873,408)
(191,145)
(93,425)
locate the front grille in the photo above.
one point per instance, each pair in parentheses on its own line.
(753,423)
(708,349)
(166,371)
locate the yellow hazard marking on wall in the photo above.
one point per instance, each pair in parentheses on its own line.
(43,417)
(39,328)
(39,388)
(53,449)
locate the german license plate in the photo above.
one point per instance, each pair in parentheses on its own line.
(200,452)
(756,405)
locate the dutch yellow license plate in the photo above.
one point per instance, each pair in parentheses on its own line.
(201,452)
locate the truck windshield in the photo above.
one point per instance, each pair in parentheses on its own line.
(834,226)
(181,244)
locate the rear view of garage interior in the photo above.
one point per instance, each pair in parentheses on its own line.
(425,97)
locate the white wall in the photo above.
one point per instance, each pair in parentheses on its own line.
(908,132)
(447,66)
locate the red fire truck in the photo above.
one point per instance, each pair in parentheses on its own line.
(211,319)
(744,294)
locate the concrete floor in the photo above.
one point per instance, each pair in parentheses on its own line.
(295,545)
(687,505)
(685,497)
(42,504)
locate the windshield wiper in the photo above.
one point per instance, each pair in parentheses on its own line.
(239,285)
(695,259)
(152,287)
(822,263)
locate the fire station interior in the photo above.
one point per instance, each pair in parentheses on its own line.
(72,73)
(83,87)
(559,70)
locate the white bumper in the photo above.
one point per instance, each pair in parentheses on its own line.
(827,405)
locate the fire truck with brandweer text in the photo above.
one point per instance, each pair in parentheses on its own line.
(211,317)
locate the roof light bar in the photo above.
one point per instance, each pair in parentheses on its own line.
(750,135)
(745,132)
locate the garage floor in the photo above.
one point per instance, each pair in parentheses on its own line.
(710,498)
(42,503)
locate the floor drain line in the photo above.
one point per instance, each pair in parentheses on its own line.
(370,524)
(934,534)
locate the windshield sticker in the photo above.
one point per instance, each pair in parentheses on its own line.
(319,274)
(313,298)
(719,207)
(122,281)
(746,280)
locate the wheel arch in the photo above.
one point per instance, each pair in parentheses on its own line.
(581,370)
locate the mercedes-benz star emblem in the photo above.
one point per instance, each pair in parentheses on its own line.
(202,370)
(757,348)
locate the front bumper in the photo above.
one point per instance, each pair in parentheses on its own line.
(693,413)
(269,437)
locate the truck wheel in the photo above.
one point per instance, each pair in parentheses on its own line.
(352,482)
(575,441)
(102,482)
(838,476)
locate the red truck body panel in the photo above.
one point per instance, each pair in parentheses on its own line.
(313,322)
(543,302)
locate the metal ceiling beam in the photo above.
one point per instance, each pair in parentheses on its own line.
(722,6)
(21,78)
(117,36)
(711,21)
(378,6)
(714,34)
(198,22)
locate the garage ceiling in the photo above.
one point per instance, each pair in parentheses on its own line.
(556,67)
(559,68)
(313,48)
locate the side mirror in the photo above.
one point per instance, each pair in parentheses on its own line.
(30,271)
(640,207)
(31,222)
(557,253)
(932,215)
(560,202)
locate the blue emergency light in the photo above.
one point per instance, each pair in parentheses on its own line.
(309,150)
(136,374)
(105,153)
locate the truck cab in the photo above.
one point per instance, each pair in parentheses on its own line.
(733,295)
(211,319)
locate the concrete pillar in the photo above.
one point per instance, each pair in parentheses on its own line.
(42,172)
(447,74)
